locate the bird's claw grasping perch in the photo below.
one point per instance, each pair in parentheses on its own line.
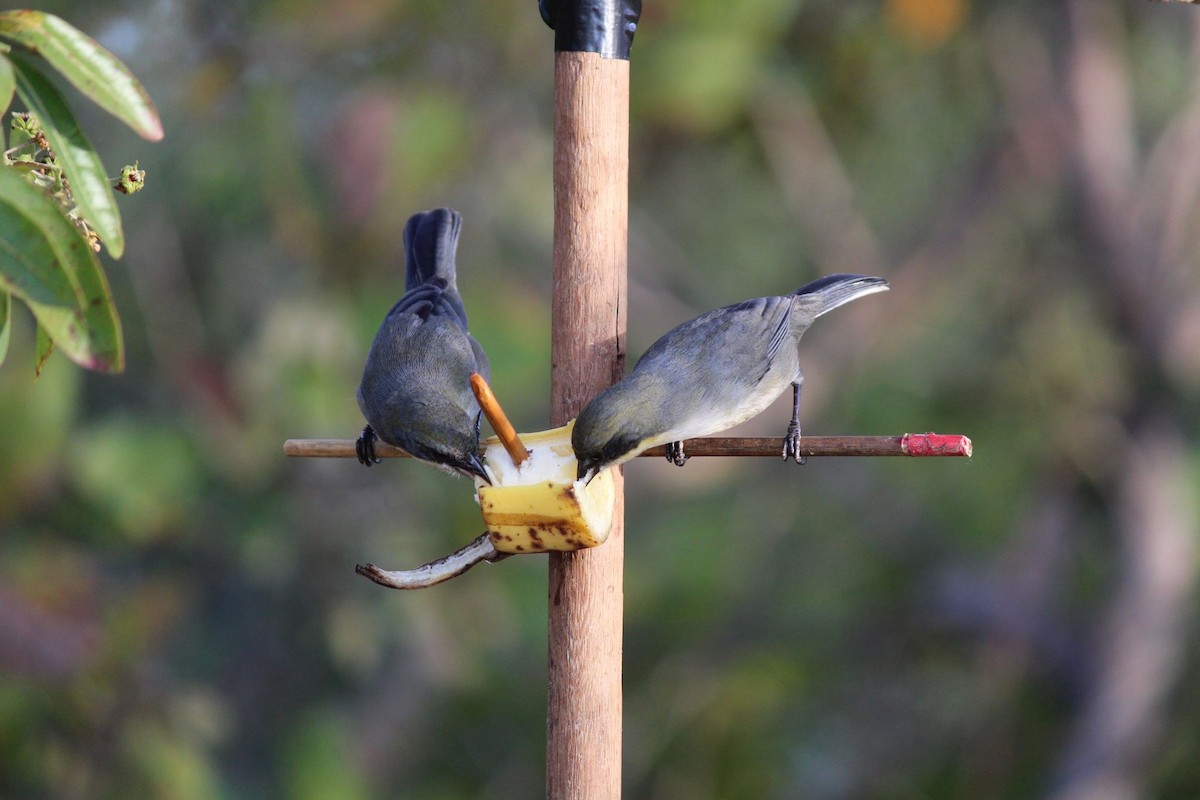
(364,446)
(791,445)
(791,439)
(676,455)
(438,571)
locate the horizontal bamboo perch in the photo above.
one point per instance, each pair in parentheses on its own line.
(910,444)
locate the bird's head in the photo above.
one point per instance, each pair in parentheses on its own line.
(447,442)
(607,432)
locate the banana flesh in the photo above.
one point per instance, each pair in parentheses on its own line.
(539,506)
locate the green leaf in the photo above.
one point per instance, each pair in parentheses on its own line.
(46,262)
(92,69)
(89,182)
(5,323)
(8,83)
(30,266)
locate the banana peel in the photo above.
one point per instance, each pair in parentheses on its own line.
(539,506)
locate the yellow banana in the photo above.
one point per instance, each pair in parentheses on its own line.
(539,506)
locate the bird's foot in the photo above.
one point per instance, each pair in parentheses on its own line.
(791,444)
(676,455)
(365,447)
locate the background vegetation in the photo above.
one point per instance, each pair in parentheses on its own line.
(179,617)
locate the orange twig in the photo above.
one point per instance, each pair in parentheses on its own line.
(498,420)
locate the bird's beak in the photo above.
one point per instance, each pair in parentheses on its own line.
(474,466)
(585,472)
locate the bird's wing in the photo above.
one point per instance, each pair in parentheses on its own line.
(748,334)
(482,365)
(761,317)
(783,312)
(431,299)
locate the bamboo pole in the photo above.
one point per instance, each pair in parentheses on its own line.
(908,444)
(586,593)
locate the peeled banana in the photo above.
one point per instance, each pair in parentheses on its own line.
(539,505)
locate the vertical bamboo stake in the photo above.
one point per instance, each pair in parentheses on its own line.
(591,165)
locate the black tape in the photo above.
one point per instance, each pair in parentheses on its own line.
(592,26)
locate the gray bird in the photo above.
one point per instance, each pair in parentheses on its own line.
(709,374)
(415,391)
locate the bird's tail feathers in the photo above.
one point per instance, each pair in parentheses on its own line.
(430,241)
(832,291)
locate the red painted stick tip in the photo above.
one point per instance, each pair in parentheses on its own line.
(935,444)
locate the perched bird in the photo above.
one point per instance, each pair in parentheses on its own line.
(709,374)
(415,391)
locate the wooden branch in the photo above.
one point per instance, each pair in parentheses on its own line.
(909,444)
(586,587)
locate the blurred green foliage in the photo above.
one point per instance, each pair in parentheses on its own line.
(179,616)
